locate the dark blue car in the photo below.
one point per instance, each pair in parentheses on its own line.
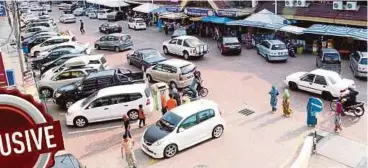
(145,58)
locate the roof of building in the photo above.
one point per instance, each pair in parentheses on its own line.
(193,107)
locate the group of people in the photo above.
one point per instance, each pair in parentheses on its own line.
(344,101)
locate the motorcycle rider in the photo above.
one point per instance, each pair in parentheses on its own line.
(350,97)
(195,82)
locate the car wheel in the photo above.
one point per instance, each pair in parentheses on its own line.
(39,66)
(166,51)
(133,115)
(327,95)
(135,28)
(117,49)
(36,53)
(217,131)
(170,150)
(97,47)
(258,51)
(267,58)
(293,86)
(186,55)
(128,60)
(143,68)
(80,122)
(69,103)
(149,78)
(46,92)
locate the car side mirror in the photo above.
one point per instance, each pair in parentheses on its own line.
(181,130)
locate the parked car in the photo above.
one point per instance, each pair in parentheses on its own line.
(110,28)
(329,59)
(92,14)
(29,43)
(183,127)
(137,23)
(65,96)
(173,72)
(89,9)
(61,6)
(59,61)
(55,54)
(115,41)
(46,86)
(40,33)
(110,104)
(50,43)
(79,12)
(75,46)
(228,45)
(67,18)
(115,16)
(179,32)
(145,58)
(102,14)
(69,8)
(186,46)
(323,82)
(273,50)
(44,24)
(358,64)
(33,30)
(66,160)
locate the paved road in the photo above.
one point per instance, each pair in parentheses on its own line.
(235,82)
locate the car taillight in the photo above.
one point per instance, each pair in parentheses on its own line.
(148,102)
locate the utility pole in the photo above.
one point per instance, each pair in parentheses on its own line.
(16,26)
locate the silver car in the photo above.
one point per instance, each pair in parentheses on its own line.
(115,41)
(273,50)
(67,18)
(358,64)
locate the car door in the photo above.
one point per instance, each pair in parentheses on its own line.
(103,27)
(172,46)
(52,56)
(179,47)
(189,134)
(306,82)
(319,84)
(206,123)
(111,42)
(169,73)
(136,59)
(157,72)
(261,47)
(98,110)
(355,61)
(119,105)
(67,78)
(102,42)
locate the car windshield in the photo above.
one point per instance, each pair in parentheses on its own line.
(193,42)
(89,98)
(140,21)
(169,121)
(187,69)
(331,58)
(231,40)
(278,47)
(363,61)
(152,56)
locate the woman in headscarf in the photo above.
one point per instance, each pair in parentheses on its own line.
(286,103)
(273,101)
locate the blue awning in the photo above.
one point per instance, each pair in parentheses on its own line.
(342,31)
(166,9)
(216,19)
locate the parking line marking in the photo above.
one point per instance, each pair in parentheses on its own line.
(96,129)
(152,161)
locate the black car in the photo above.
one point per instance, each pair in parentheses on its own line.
(229,45)
(35,41)
(110,28)
(38,62)
(115,16)
(145,58)
(66,95)
(179,32)
(45,67)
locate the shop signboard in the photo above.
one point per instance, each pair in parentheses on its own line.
(198,11)
(3,79)
(2,9)
(172,8)
(226,13)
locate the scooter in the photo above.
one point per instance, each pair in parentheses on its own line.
(202,91)
(291,49)
(356,109)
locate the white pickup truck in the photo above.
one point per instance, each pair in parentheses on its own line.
(186,46)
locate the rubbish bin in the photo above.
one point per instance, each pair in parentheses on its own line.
(158,89)
(10,76)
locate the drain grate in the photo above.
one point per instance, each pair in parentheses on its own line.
(246,112)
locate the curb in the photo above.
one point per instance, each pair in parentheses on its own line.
(305,154)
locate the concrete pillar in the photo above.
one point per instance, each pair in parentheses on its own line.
(254,3)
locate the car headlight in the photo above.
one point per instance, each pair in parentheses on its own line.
(42,68)
(157,143)
(57,94)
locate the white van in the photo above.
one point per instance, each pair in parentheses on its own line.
(109,104)
(102,14)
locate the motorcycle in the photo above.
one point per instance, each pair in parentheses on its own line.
(202,91)
(357,109)
(291,49)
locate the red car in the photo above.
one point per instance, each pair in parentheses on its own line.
(229,45)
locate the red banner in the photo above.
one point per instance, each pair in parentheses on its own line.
(3,80)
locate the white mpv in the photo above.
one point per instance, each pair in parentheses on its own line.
(183,127)
(110,104)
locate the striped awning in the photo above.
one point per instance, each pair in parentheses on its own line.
(342,31)
(359,34)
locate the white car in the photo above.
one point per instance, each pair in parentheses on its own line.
(183,127)
(48,24)
(102,14)
(110,104)
(327,83)
(62,6)
(173,71)
(68,18)
(50,43)
(358,63)
(186,46)
(137,23)
(46,86)
(273,50)
(92,14)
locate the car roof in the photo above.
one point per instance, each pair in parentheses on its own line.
(193,107)
(85,58)
(145,49)
(275,41)
(41,27)
(71,55)
(60,37)
(176,62)
(185,37)
(117,34)
(109,72)
(115,90)
(329,50)
(363,54)
(324,72)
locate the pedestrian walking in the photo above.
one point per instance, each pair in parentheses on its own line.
(81,27)
(171,103)
(163,103)
(273,101)
(142,116)
(286,104)
(166,29)
(176,94)
(338,116)
(127,152)
(126,126)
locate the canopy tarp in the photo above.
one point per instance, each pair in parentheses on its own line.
(146,8)
(173,16)
(342,31)
(166,9)
(293,29)
(216,19)
(114,3)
